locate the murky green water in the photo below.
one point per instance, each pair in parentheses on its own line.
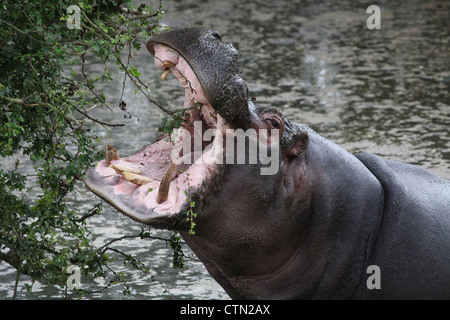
(383,91)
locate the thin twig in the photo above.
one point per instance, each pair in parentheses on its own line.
(98,121)
(20,101)
(136,81)
(105,246)
(142,15)
(16,284)
(125,75)
(133,78)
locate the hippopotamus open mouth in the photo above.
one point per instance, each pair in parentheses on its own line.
(151,186)
(309,223)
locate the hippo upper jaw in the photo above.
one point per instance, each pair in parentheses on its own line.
(215,65)
(134,184)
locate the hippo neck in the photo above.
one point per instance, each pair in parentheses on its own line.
(346,207)
(342,211)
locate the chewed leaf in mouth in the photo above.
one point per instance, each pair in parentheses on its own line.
(155,183)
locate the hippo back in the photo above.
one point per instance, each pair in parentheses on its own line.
(412,247)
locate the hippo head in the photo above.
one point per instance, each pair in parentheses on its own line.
(232,169)
(162,181)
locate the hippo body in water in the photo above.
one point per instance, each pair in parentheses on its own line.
(313,225)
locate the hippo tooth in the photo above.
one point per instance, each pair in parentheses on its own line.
(168,64)
(119,169)
(111,154)
(108,149)
(164,187)
(136,178)
(165,74)
(115,154)
(183,81)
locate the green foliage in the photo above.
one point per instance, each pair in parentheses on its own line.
(43,132)
(171,122)
(178,256)
(176,119)
(190,214)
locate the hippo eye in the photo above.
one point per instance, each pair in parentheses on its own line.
(275,123)
(216,35)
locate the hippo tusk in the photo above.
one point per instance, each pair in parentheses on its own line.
(119,169)
(169,65)
(136,178)
(165,74)
(111,154)
(164,187)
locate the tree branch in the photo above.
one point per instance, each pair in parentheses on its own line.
(98,121)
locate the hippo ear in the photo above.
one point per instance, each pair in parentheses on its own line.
(297,146)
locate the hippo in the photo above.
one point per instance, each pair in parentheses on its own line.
(318,223)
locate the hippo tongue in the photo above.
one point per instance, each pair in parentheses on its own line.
(157,170)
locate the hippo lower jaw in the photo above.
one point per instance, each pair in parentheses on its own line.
(134,185)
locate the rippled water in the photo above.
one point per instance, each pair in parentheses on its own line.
(383,91)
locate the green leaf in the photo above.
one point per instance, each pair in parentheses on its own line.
(134,71)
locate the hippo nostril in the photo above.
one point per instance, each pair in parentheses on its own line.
(216,35)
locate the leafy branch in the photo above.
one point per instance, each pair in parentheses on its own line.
(176,117)
(45,146)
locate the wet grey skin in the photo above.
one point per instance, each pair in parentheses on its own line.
(312,229)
